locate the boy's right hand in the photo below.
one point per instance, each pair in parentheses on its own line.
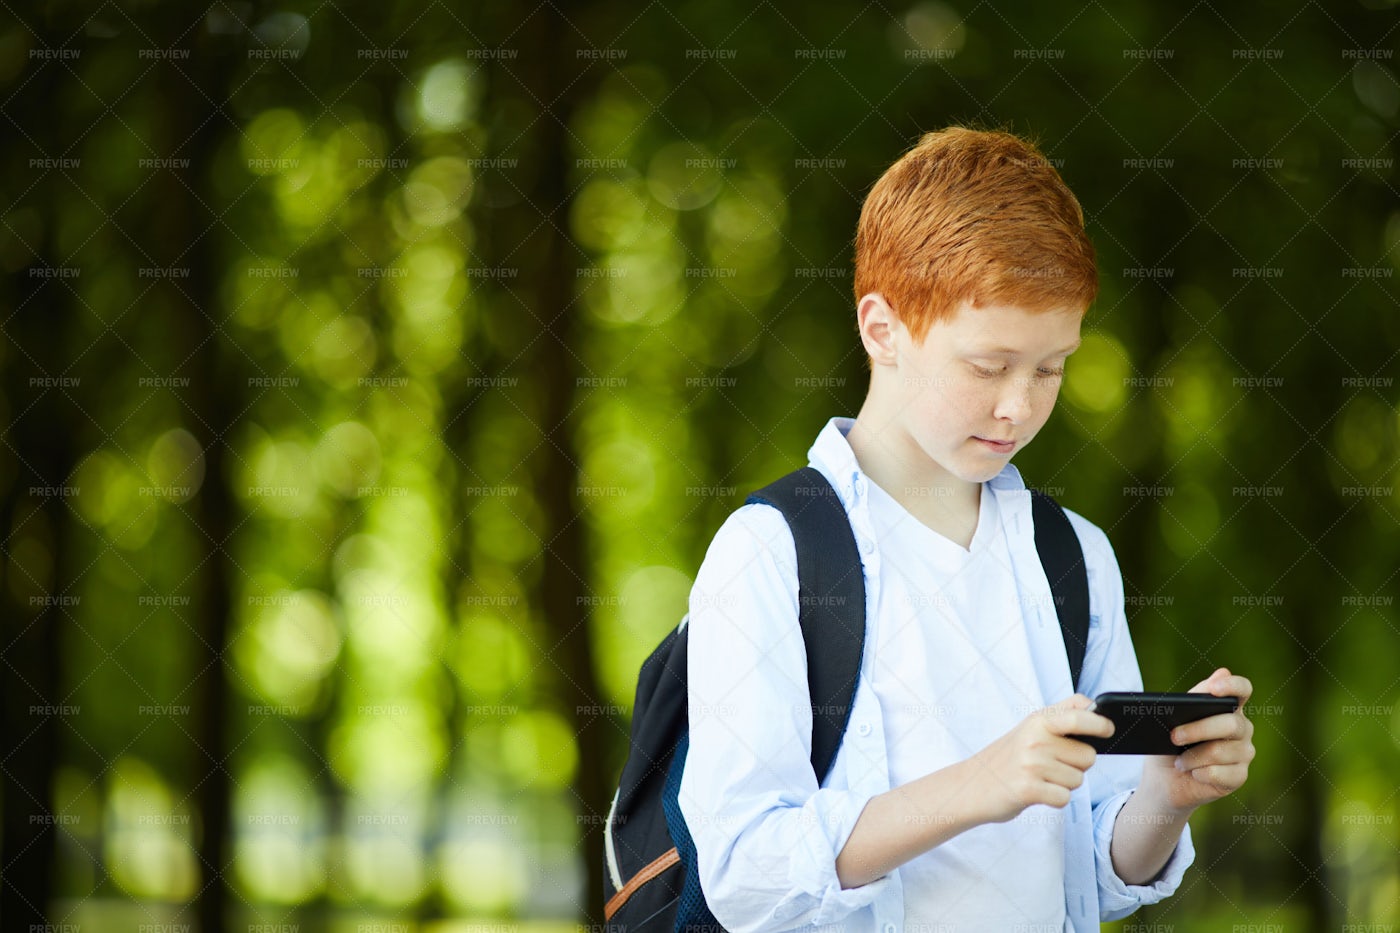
(1037,762)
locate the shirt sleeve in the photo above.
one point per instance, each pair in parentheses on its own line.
(766,837)
(1110,664)
(1116,898)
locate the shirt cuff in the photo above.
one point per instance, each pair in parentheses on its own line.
(1117,898)
(780,872)
(834,813)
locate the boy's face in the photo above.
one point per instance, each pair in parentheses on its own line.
(986,375)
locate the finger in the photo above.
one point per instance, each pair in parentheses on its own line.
(1074,721)
(1200,756)
(1076,754)
(1224,778)
(1231,685)
(1053,795)
(1221,726)
(1216,753)
(1068,707)
(1063,775)
(1204,686)
(1222,683)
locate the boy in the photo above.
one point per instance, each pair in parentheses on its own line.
(957,800)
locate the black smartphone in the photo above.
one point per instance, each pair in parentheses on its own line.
(1143,722)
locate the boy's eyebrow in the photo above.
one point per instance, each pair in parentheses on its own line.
(1008,351)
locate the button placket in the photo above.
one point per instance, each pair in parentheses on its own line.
(866,712)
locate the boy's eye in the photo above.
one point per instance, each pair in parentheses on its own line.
(1043,372)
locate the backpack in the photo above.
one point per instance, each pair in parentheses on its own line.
(651,882)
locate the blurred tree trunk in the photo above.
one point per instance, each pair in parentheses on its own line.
(37,582)
(1312,614)
(34,519)
(461,420)
(547,79)
(187,232)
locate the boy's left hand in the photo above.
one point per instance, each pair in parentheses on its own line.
(1219,765)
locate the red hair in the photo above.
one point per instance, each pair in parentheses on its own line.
(977,215)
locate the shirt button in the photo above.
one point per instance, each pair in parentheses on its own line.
(866,545)
(889,928)
(863,729)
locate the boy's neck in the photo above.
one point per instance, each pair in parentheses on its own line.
(894,462)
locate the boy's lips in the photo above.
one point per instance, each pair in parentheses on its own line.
(996,445)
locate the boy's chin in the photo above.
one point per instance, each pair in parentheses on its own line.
(983,471)
(984,475)
(973,467)
(975,473)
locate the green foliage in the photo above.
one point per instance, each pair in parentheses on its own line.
(507,316)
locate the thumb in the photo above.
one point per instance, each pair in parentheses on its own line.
(1218,675)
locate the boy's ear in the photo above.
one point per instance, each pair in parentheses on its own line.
(878,324)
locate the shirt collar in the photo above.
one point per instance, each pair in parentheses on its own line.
(832,454)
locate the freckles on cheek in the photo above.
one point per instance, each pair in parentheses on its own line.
(968,403)
(951,404)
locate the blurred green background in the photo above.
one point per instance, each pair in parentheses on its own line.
(375,376)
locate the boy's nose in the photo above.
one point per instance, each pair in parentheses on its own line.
(1015,404)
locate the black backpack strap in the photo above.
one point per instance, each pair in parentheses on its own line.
(830,600)
(1062,556)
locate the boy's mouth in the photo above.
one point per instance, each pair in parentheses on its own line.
(1001,447)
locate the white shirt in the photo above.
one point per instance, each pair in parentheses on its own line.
(767,837)
(952,672)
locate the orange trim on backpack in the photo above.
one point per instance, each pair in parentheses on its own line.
(640,878)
